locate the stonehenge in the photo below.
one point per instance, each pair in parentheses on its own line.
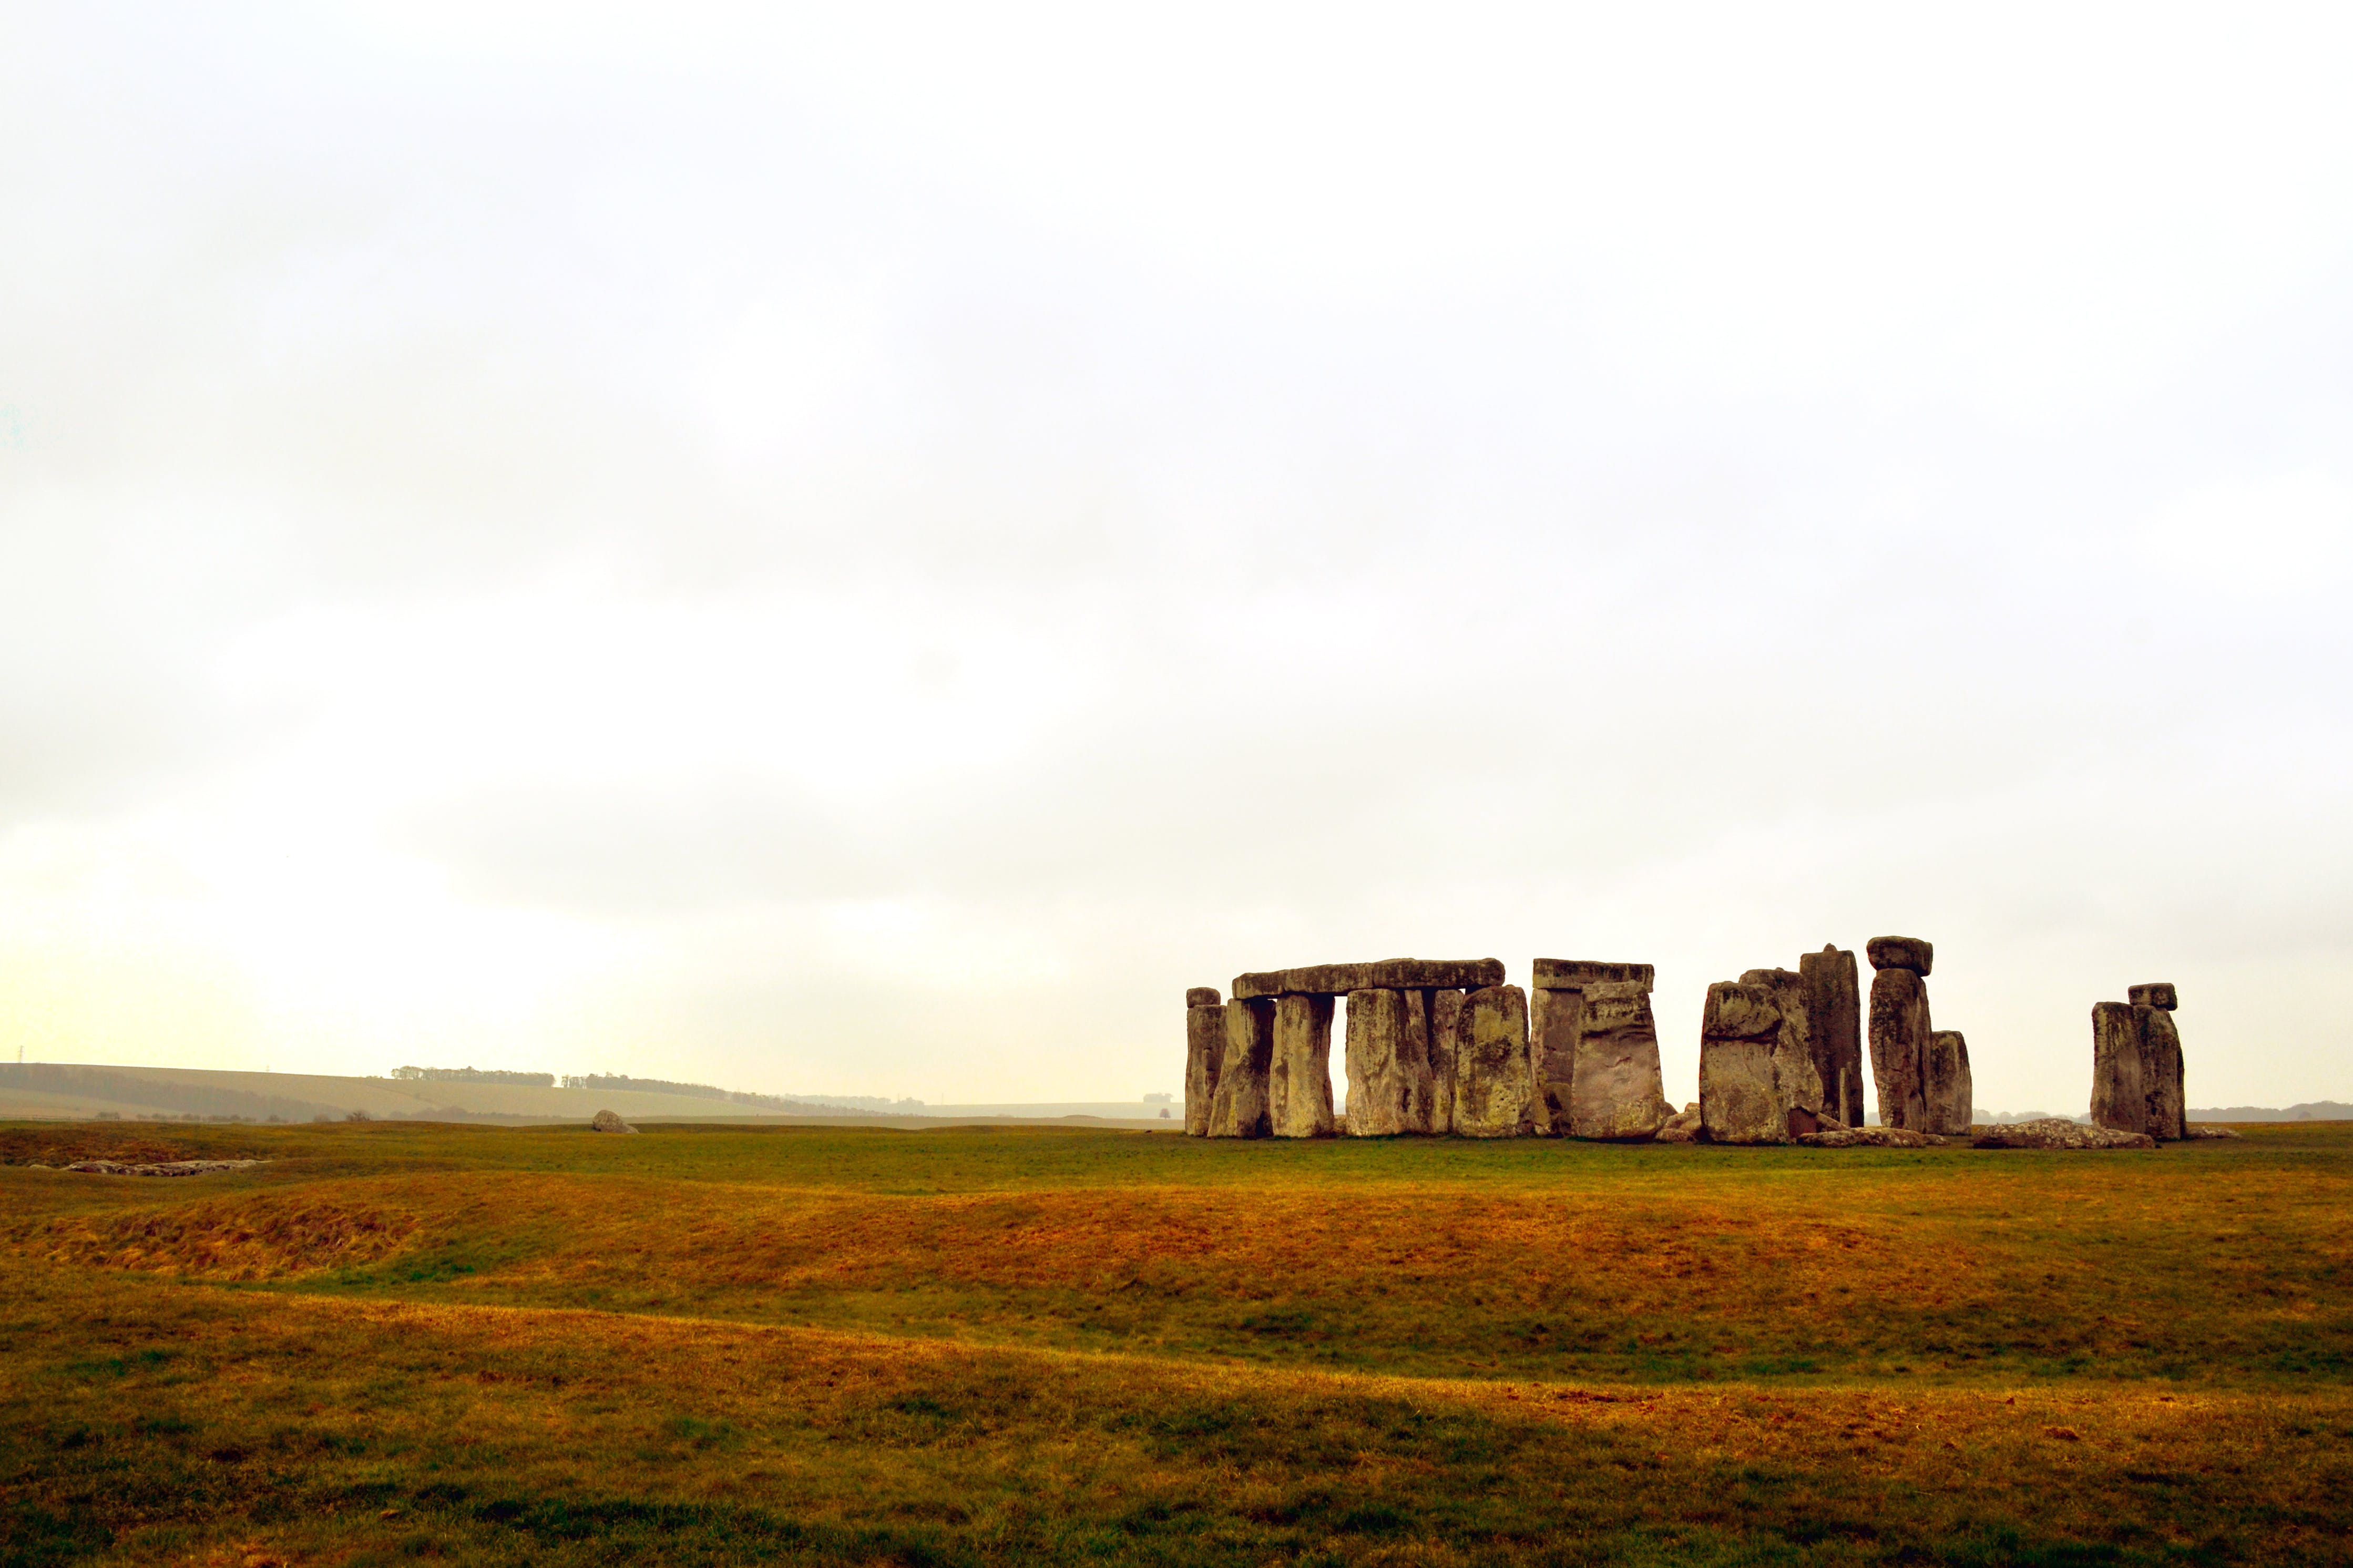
(1446,1047)
(2136,1065)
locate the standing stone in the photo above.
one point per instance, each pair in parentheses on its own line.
(1205,1055)
(1299,1087)
(1796,1078)
(1617,1093)
(1554,1017)
(2119,1098)
(1834,1029)
(1240,1108)
(1495,1084)
(1445,1045)
(1740,1097)
(1388,1064)
(1949,1091)
(2160,1074)
(1900,1030)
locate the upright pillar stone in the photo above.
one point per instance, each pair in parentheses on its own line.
(1554,1020)
(1796,1078)
(1299,1087)
(2119,1095)
(1242,1107)
(2161,1061)
(1740,1099)
(1388,1064)
(1834,1029)
(1494,1081)
(1617,1093)
(1900,1029)
(1950,1093)
(1205,1055)
(1445,1045)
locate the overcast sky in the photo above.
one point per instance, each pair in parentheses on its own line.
(864,550)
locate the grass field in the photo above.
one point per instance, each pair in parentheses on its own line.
(721,1345)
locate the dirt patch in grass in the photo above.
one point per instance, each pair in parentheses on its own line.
(266,1236)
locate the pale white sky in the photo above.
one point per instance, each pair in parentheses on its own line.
(865,548)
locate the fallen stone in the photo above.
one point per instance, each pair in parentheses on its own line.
(1834,1029)
(2057,1132)
(1616,1093)
(1387,1060)
(1240,1107)
(2208,1129)
(1899,1047)
(1949,1086)
(1298,1086)
(1803,1123)
(1682,1127)
(1577,974)
(1445,1044)
(2158,994)
(1203,996)
(1495,1084)
(2119,1097)
(2160,1074)
(1739,1091)
(608,1121)
(1205,1054)
(1900,952)
(1387,974)
(156,1167)
(1870,1138)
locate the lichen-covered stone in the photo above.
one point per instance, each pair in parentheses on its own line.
(1494,1080)
(1740,1097)
(1577,974)
(1899,1047)
(1242,1107)
(1205,1055)
(2055,1133)
(1682,1127)
(1868,1138)
(1796,1078)
(1299,1087)
(1617,1093)
(1834,1029)
(2161,1075)
(1203,996)
(1900,952)
(2119,1095)
(608,1121)
(1554,1017)
(2157,993)
(1384,975)
(1445,1041)
(1387,1060)
(1947,1087)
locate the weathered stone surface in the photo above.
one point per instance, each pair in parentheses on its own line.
(1494,1081)
(1868,1138)
(2119,1097)
(1554,1020)
(1445,1041)
(1834,1029)
(1804,1123)
(1899,1047)
(1900,952)
(206,1167)
(2158,994)
(1386,974)
(608,1121)
(1739,1092)
(1205,1055)
(1242,1107)
(1682,1127)
(1298,1086)
(1795,1078)
(1388,1064)
(1947,1087)
(2056,1133)
(1577,974)
(2209,1129)
(1203,996)
(2160,1074)
(1617,1093)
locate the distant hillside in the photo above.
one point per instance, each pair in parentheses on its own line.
(2311,1110)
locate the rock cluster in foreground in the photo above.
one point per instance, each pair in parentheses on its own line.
(2057,1132)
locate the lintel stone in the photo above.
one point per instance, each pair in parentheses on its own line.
(1386,974)
(1577,974)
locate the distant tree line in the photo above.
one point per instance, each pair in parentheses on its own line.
(614,1082)
(476,1075)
